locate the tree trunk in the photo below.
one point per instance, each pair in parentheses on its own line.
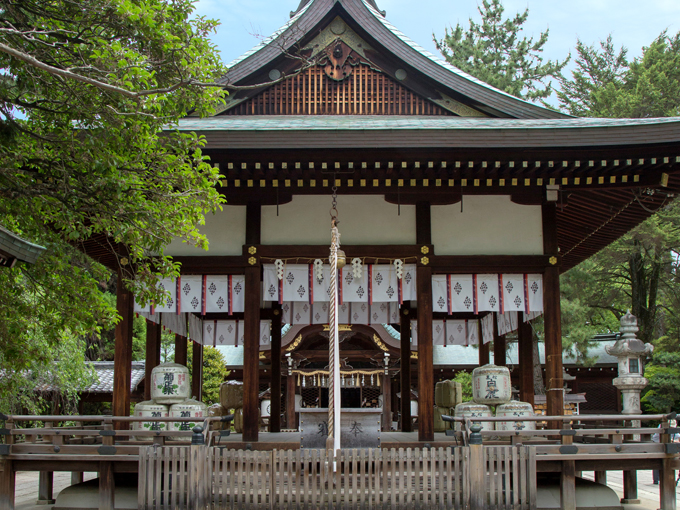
(539,386)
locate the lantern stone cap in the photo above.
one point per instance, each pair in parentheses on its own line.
(628,344)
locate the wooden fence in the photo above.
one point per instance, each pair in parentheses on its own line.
(202,477)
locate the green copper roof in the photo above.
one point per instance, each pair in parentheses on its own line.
(384,122)
(18,247)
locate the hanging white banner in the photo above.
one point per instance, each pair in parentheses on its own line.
(440,298)
(533,285)
(512,298)
(296,282)
(487,328)
(190,289)
(462,293)
(473,332)
(487,293)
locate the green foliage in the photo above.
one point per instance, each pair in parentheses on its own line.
(214,373)
(47,381)
(599,71)
(663,391)
(494,52)
(605,84)
(465,380)
(85,91)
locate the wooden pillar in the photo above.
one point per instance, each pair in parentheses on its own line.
(552,317)
(46,488)
(197,371)
(568,478)
(405,377)
(181,350)
(107,486)
(290,403)
(275,415)
(667,498)
(424,298)
(7,484)
(601,477)
(122,361)
(251,353)
(153,354)
(526,360)
(425,355)
(251,324)
(387,403)
(630,492)
(499,347)
(484,354)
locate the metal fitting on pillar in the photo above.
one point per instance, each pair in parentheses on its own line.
(197,437)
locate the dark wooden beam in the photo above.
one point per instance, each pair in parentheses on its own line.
(405,377)
(251,350)
(484,357)
(181,350)
(314,251)
(423,223)
(122,361)
(425,355)
(212,264)
(463,264)
(253,222)
(275,414)
(499,347)
(153,354)
(552,316)
(525,339)
(197,371)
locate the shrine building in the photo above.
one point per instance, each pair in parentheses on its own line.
(459,207)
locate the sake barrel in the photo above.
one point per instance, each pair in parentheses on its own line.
(266,408)
(149,409)
(238,420)
(491,385)
(187,409)
(216,410)
(473,410)
(231,394)
(515,410)
(170,383)
(447,394)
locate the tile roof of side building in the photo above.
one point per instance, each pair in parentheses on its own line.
(18,247)
(373,22)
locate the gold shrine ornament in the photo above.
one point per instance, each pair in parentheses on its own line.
(252,261)
(552,260)
(252,250)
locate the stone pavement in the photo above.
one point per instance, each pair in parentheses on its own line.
(648,493)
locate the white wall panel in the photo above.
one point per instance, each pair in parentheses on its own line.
(364,219)
(226,232)
(488,225)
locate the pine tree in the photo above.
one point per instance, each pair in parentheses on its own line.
(494,52)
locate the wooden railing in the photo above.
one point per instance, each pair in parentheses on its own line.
(421,476)
(217,478)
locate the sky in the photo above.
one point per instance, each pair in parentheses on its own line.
(632,23)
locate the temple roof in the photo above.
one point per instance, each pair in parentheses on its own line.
(13,247)
(386,44)
(286,131)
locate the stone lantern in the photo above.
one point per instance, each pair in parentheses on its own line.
(630,351)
